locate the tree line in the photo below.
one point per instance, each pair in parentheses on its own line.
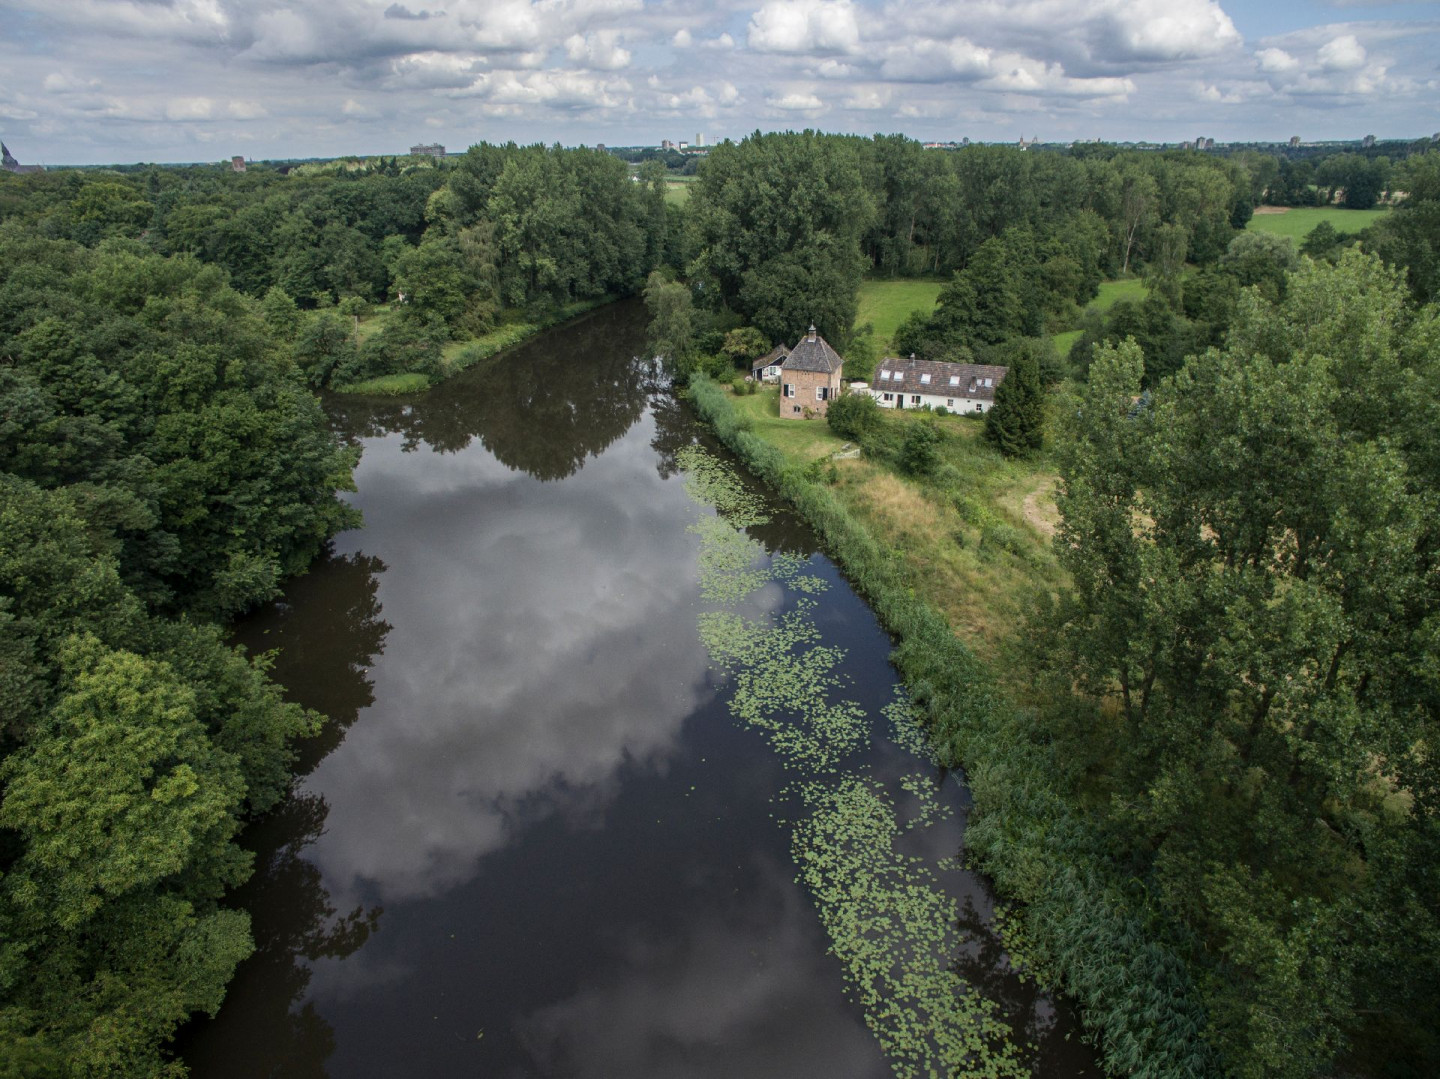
(162,466)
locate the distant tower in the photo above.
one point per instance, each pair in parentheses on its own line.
(1294,140)
(237,164)
(699,138)
(1368,141)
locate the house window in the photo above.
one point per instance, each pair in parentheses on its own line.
(789,390)
(915,399)
(795,409)
(924,380)
(820,392)
(889,397)
(979,407)
(884,376)
(950,402)
(989,382)
(954,380)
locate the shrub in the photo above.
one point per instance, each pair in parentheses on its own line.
(853,415)
(921,449)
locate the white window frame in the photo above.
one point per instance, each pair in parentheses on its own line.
(789,389)
(889,397)
(884,376)
(954,380)
(950,402)
(925,380)
(915,399)
(820,393)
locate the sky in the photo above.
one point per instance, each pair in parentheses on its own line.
(121,81)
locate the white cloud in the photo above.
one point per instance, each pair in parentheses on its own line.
(834,69)
(189,108)
(1276,60)
(682,39)
(724,41)
(599,51)
(1344,53)
(936,61)
(868,99)
(796,102)
(246,110)
(805,26)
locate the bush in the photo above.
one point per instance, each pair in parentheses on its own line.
(853,415)
(921,449)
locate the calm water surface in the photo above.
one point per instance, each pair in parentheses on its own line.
(533,841)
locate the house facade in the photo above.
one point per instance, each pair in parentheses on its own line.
(767,367)
(809,378)
(956,387)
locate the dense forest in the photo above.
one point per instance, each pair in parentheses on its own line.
(1235,697)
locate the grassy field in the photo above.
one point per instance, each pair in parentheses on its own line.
(886,304)
(976,531)
(677,192)
(1297,221)
(1131,288)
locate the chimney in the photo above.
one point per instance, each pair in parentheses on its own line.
(912,359)
(811,335)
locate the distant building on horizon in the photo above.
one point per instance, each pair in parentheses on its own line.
(666,144)
(1368,141)
(1294,140)
(8,162)
(699,138)
(237,164)
(431,149)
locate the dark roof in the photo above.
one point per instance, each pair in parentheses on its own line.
(813,353)
(775,355)
(971,378)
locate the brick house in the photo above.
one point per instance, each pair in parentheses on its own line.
(809,378)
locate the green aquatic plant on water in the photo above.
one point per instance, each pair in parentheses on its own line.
(891,924)
(893,928)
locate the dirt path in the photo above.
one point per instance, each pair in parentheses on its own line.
(1039,509)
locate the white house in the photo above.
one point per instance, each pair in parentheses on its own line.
(957,387)
(767,367)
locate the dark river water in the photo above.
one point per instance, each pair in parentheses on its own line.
(534,839)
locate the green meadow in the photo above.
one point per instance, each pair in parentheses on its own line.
(1297,221)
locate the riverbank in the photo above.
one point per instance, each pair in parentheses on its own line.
(459,355)
(1082,928)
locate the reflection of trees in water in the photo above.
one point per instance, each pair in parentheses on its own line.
(259,1030)
(1036,1018)
(327,633)
(542,407)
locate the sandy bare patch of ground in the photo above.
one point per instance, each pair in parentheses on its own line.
(1039,509)
(1272,209)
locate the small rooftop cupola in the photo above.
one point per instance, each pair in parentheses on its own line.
(810,336)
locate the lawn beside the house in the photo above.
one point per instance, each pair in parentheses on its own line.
(974,535)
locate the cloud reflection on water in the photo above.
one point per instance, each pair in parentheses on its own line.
(544,639)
